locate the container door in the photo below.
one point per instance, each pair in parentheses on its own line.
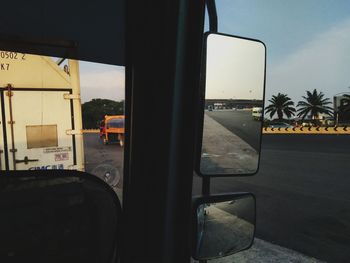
(37,127)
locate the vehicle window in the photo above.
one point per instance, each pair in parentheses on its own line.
(116,123)
(302,184)
(103,97)
(53,116)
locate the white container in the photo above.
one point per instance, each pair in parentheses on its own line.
(41,120)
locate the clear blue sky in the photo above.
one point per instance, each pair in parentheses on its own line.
(308,46)
(284,25)
(308,41)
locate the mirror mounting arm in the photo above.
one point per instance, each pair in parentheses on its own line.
(205,185)
(212,14)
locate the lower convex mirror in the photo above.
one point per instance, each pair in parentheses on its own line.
(58,216)
(224,225)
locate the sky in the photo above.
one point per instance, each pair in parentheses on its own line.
(234,68)
(101,81)
(308,47)
(308,42)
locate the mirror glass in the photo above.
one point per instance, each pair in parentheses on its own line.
(234,95)
(225,228)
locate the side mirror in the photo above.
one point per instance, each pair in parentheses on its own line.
(234,85)
(223,225)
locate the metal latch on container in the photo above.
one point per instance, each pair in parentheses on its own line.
(26,160)
(74,132)
(71,96)
(9,93)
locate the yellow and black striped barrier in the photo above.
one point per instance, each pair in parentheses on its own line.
(307,130)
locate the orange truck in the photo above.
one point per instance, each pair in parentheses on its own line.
(112,129)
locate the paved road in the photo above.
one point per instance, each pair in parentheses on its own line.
(241,123)
(101,159)
(302,190)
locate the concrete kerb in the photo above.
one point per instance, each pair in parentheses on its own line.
(262,252)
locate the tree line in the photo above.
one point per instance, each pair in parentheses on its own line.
(313,104)
(94,111)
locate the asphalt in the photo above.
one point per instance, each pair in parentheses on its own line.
(223,152)
(303,198)
(302,190)
(101,159)
(241,123)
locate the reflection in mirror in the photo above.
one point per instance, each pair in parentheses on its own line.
(225,228)
(234,91)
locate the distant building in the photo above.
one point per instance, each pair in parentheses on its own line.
(341,109)
(233,103)
(219,106)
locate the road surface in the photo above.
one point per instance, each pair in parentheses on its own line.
(241,123)
(302,190)
(102,160)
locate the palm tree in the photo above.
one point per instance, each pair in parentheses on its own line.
(281,104)
(314,104)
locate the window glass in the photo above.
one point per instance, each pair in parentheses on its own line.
(54,113)
(103,96)
(115,123)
